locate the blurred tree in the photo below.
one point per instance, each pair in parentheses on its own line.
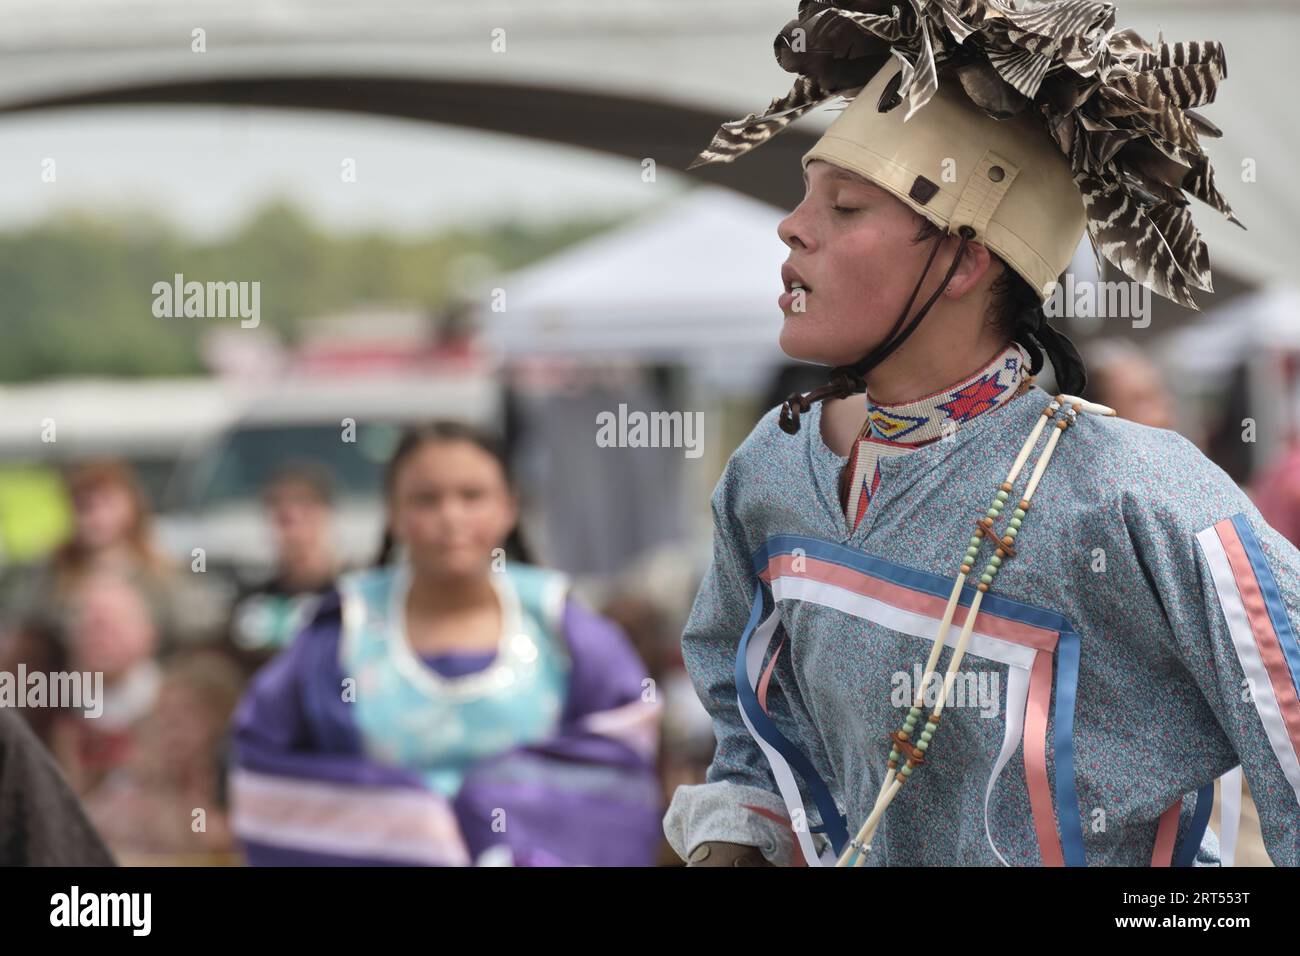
(78,296)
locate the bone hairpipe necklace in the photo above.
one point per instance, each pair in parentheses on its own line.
(902,746)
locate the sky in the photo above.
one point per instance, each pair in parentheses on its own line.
(206,169)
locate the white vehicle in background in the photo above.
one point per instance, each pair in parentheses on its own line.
(348,425)
(150,423)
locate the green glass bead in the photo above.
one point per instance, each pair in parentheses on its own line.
(906,771)
(1012,531)
(992,513)
(975,540)
(1019,513)
(931,727)
(1014,522)
(995,561)
(893,755)
(986,579)
(923,745)
(926,736)
(1002,495)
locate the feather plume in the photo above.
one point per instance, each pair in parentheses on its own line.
(1121,109)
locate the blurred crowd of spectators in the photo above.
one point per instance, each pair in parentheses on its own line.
(176,653)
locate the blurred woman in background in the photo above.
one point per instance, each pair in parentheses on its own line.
(112,532)
(453,707)
(1123,376)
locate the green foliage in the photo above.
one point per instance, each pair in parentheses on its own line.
(76,292)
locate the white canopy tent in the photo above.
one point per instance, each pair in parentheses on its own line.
(1267,320)
(694,283)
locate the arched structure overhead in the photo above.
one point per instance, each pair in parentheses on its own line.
(671,134)
(636,78)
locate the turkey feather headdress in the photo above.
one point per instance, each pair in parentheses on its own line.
(1065,123)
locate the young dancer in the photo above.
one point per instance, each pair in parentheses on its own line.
(969,621)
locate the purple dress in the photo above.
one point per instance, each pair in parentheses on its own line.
(305,791)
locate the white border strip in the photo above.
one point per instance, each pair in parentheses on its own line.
(403,826)
(1252,665)
(797,588)
(634,724)
(1229,815)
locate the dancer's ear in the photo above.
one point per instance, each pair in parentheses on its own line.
(977,269)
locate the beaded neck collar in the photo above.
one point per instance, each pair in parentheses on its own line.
(922,420)
(897,429)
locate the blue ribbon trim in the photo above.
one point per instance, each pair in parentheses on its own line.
(1277,612)
(1070,824)
(1196,833)
(834,824)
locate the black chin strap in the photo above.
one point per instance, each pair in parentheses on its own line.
(846,380)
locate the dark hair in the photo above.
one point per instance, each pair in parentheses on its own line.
(447,430)
(1011,296)
(1016,312)
(308,474)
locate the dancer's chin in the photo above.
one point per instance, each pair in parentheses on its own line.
(800,342)
(806,342)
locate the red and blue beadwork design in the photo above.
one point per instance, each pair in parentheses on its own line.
(897,429)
